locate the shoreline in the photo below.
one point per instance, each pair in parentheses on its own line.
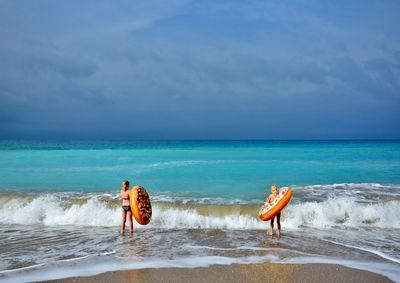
(261,272)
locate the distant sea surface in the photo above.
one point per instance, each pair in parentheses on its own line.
(60,210)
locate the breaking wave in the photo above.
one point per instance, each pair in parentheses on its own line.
(52,210)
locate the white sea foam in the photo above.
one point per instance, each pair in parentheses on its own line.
(365,192)
(56,271)
(378,253)
(178,218)
(343,211)
(51,210)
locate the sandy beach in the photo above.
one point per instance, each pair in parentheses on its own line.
(237,273)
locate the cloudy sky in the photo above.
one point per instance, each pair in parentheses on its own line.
(199,69)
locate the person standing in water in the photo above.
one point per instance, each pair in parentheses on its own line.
(274,194)
(126,207)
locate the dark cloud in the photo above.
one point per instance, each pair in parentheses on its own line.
(198,70)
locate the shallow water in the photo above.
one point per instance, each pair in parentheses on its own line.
(82,250)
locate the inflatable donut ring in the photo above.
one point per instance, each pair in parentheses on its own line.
(268,211)
(140,205)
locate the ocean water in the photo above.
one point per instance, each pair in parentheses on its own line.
(60,210)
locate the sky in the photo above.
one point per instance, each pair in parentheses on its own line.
(199,69)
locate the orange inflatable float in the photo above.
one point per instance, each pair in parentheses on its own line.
(140,205)
(268,210)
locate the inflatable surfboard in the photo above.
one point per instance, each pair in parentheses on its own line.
(140,205)
(268,211)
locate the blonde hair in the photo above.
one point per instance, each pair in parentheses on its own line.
(126,184)
(275,186)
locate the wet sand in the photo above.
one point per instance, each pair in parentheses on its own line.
(237,273)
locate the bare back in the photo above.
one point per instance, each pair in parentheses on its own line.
(125,197)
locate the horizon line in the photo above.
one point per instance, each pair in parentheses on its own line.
(188,140)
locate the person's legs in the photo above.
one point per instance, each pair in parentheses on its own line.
(278,221)
(130,221)
(271,226)
(123,221)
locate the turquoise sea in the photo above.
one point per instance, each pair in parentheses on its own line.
(224,168)
(63,198)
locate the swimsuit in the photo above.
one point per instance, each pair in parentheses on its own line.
(126,207)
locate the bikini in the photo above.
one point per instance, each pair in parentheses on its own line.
(126,207)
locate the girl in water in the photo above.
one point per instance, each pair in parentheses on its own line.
(126,208)
(274,194)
